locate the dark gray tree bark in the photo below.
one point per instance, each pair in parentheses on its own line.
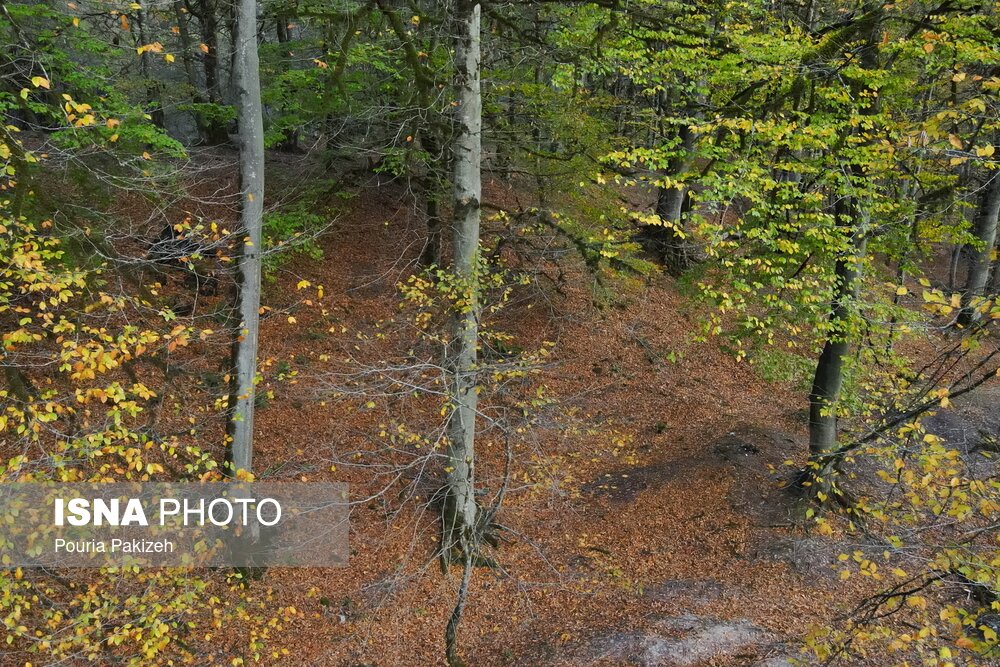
(184,32)
(828,380)
(980,258)
(216,132)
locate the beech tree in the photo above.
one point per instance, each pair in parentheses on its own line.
(460,506)
(251,131)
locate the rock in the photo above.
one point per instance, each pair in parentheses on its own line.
(991,621)
(683,641)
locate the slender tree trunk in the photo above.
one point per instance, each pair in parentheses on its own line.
(828,380)
(291,141)
(427,130)
(217,133)
(459,517)
(981,258)
(668,239)
(460,513)
(281,28)
(185,36)
(153,88)
(671,203)
(251,130)
(953,262)
(431,254)
(19,384)
(994,285)
(184,33)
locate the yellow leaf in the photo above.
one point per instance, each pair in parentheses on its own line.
(955,141)
(901,291)
(154,47)
(40,82)
(291,319)
(169,58)
(985,151)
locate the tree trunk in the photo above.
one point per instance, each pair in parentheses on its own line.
(994,285)
(953,263)
(427,130)
(829,376)
(281,28)
(431,254)
(290,143)
(981,258)
(153,89)
(668,241)
(184,33)
(217,133)
(251,131)
(828,381)
(459,517)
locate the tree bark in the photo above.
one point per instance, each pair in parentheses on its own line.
(667,240)
(217,133)
(670,245)
(153,88)
(828,380)
(460,510)
(290,143)
(980,258)
(183,31)
(460,514)
(251,131)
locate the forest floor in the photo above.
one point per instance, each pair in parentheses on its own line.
(654,532)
